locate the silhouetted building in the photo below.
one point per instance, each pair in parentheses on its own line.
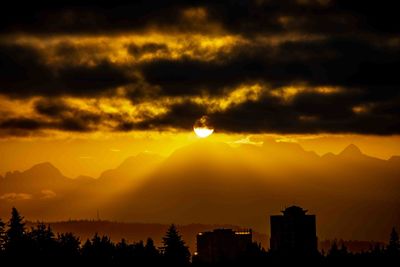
(222,245)
(293,232)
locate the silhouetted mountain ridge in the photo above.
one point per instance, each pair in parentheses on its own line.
(42,176)
(134,165)
(351,151)
(208,182)
(44,167)
(212,183)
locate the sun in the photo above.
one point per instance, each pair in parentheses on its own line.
(203,132)
(202,127)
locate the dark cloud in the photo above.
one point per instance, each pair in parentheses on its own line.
(22,124)
(335,106)
(266,115)
(344,44)
(65,117)
(310,113)
(24,72)
(29,125)
(237,16)
(90,17)
(55,115)
(84,80)
(352,63)
(189,77)
(77,124)
(72,53)
(51,107)
(307,112)
(181,116)
(148,48)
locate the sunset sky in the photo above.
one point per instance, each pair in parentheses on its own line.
(297,101)
(85,86)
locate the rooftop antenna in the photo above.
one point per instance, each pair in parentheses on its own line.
(98,215)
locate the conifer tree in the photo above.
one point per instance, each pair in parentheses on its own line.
(68,244)
(175,252)
(43,238)
(150,249)
(16,230)
(152,255)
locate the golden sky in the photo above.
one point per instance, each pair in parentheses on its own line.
(91,154)
(87,86)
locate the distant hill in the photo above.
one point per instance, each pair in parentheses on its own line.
(40,177)
(131,172)
(354,196)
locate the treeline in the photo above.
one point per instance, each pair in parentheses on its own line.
(40,246)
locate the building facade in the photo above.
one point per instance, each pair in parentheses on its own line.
(294,232)
(222,245)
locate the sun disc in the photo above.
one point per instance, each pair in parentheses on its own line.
(203,132)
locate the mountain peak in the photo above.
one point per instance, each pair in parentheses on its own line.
(141,158)
(328,155)
(43,165)
(351,150)
(45,168)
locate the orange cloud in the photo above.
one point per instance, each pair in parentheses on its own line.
(11,197)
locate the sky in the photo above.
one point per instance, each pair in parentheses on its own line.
(87,85)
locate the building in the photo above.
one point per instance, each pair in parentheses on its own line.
(294,232)
(222,245)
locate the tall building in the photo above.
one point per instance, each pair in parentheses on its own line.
(294,232)
(222,245)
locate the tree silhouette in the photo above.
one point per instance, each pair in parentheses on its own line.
(150,248)
(152,255)
(334,250)
(68,247)
(16,231)
(138,252)
(43,242)
(394,243)
(343,250)
(42,235)
(175,252)
(376,250)
(39,246)
(123,253)
(98,250)
(337,255)
(2,235)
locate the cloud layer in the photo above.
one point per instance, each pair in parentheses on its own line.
(302,66)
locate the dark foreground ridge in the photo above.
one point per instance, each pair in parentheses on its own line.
(293,243)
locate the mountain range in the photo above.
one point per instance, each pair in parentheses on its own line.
(354,196)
